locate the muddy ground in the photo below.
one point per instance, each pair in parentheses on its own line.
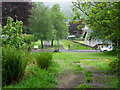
(70,80)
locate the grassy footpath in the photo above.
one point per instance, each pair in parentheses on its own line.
(40,78)
(66,43)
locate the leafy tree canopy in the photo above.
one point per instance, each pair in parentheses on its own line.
(102,19)
(16,10)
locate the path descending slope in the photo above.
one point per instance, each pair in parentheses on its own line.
(70,80)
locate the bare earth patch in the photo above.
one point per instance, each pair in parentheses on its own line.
(70,80)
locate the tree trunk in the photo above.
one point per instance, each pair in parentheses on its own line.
(42,43)
(52,42)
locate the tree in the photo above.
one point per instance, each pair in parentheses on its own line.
(74,28)
(58,20)
(16,10)
(102,18)
(40,23)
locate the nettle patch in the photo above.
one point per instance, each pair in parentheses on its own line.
(12,33)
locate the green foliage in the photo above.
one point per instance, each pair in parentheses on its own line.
(115,65)
(27,39)
(77,69)
(58,18)
(13,64)
(44,59)
(12,33)
(102,19)
(84,86)
(40,23)
(27,42)
(38,78)
(88,77)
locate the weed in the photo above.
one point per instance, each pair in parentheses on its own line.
(77,69)
(44,59)
(88,77)
(13,64)
(84,86)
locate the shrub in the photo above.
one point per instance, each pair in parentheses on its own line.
(12,33)
(27,39)
(44,59)
(26,47)
(13,64)
(115,65)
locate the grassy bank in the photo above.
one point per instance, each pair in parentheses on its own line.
(66,44)
(40,78)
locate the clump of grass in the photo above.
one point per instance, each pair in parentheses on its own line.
(88,77)
(85,86)
(43,59)
(77,69)
(13,65)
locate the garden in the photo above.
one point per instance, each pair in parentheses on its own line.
(22,68)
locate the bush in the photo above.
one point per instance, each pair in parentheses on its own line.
(44,59)
(26,47)
(115,65)
(12,33)
(13,64)
(27,39)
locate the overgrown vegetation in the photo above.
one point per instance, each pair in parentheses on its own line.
(36,77)
(115,65)
(43,59)
(88,77)
(12,33)
(13,64)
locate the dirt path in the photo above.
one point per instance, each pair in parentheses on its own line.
(70,80)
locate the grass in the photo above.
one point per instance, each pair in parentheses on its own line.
(38,43)
(66,59)
(66,43)
(77,56)
(114,81)
(88,77)
(40,78)
(83,42)
(84,86)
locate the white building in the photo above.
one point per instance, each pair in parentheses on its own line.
(95,43)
